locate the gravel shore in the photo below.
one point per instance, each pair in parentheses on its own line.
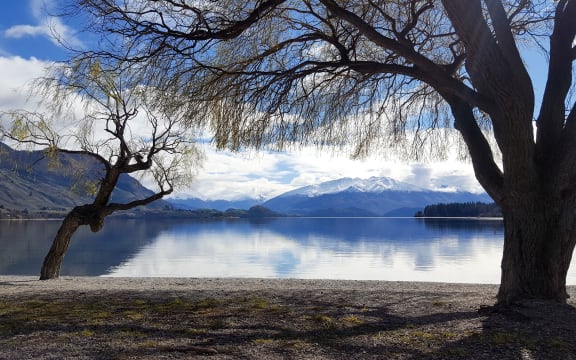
(27,284)
(183,318)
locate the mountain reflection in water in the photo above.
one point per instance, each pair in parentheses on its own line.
(403,249)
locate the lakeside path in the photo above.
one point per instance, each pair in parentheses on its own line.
(183,318)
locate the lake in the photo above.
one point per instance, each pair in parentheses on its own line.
(403,249)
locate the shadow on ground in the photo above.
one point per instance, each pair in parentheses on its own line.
(280,325)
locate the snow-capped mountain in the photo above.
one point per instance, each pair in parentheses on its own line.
(376,196)
(373,184)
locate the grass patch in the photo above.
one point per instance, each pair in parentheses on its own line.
(321,318)
(263,341)
(133,315)
(352,320)
(260,303)
(504,338)
(86,333)
(440,303)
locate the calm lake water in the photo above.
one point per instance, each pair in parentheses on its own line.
(406,249)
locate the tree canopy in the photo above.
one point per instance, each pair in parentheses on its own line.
(375,72)
(365,72)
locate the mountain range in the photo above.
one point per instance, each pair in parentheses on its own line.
(375,196)
(30,180)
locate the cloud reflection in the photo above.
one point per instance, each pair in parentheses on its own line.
(261,251)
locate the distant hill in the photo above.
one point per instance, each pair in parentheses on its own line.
(30,181)
(376,196)
(221,205)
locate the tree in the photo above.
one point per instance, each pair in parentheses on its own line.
(367,73)
(117,130)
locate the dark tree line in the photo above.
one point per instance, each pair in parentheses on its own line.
(468,209)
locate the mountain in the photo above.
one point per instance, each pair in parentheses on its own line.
(370,185)
(221,205)
(30,180)
(376,196)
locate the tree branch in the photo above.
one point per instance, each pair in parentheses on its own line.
(113,207)
(435,75)
(492,73)
(551,120)
(504,36)
(487,172)
(93,155)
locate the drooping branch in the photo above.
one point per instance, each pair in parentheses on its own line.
(91,154)
(161,31)
(279,71)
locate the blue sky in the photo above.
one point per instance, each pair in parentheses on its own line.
(27,30)
(27,47)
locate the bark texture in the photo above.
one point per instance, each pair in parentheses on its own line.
(534,187)
(538,245)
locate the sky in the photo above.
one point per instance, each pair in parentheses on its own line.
(28,47)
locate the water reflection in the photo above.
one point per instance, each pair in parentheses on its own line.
(23,245)
(337,248)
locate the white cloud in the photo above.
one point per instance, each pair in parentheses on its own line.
(46,25)
(231,176)
(16,74)
(20,31)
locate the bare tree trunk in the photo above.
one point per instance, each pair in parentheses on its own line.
(538,244)
(53,260)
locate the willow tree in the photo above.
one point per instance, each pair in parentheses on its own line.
(102,115)
(365,73)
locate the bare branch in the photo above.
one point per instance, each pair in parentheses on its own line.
(318,72)
(113,207)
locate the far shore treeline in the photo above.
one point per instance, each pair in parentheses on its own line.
(468,209)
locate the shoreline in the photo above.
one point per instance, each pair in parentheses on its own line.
(18,284)
(15,284)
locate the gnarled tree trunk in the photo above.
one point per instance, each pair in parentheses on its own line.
(540,234)
(80,215)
